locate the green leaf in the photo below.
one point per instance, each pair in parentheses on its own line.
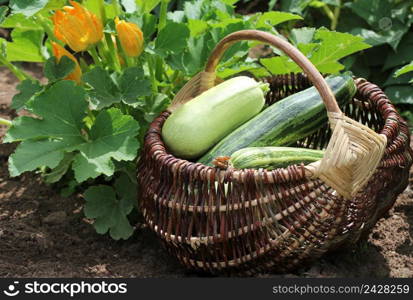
(83,170)
(372,11)
(230,2)
(391,35)
(133,85)
(404,54)
(129,5)
(157,104)
(62,108)
(400,94)
(238,68)
(401,10)
(408,116)
(32,154)
(193,59)
(260,72)
(172,38)
(302,35)
(54,4)
(295,6)
(193,10)
(103,206)
(112,9)
(176,16)
(60,170)
(325,55)
(403,79)
(404,70)
(112,136)
(3,13)
(60,129)
(97,200)
(197,27)
(236,50)
(20,21)
(280,65)
(27,7)
(127,192)
(26,46)
(146,6)
(69,188)
(104,92)
(273,18)
(54,70)
(218,8)
(371,37)
(28,89)
(335,46)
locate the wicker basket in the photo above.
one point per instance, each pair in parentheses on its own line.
(247,221)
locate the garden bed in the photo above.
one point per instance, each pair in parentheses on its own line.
(43,234)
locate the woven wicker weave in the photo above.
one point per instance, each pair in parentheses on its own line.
(244,221)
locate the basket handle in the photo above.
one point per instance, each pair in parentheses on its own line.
(255,35)
(354,150)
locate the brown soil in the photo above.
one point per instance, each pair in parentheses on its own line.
(43,234)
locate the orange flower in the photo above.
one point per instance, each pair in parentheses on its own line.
(59,52)
(77,27)
(130,37)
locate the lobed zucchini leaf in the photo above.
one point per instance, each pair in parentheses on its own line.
(324,51)
(59,129)
(107,89)
(28,89)
(109,208)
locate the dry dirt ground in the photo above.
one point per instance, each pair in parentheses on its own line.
(43,234)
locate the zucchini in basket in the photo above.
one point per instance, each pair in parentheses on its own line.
(199,124)
(269,158)
(284,122)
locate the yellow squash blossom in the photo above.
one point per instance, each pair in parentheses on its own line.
(77,27)
(59,52)
(130,37)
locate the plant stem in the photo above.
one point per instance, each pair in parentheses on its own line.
(113,52)
(6,122)
(21,75)
(329,13)
(128,61)
(151,67)
(162,14)
(337,11)
(95,56)
(104,52)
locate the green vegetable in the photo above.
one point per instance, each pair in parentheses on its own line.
(200,123)
(272,157)
(284,122)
